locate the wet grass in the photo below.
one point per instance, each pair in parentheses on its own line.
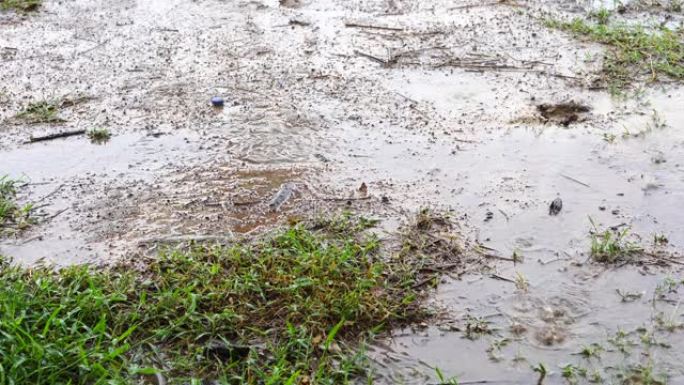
(20,5)
(635,51)
(612,245)
(13,217)
(286,309)
(99,135)
(41,112)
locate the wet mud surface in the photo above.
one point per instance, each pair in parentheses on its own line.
(475,108)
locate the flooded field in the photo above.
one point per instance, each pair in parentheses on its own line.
(474,108)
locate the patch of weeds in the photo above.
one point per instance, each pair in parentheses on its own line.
(610,246)
(610,138)
(660,239)
(622,342)
(591,351)
(543,372)
(517,257)
(521,282)
(656,123)
(20,5)
(286,309)
(444,379)
(476,327)
(99,135)
(602,16)
(495,348)
(669,322)
(641,375)
(572,373)
(13,217)
(430,238)
(634,50)
(629,296)
(41,112)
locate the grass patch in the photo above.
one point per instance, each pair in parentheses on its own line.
(99,135)
(612,245)
(41,112)
(283,310)
(20,5)
(634,51)
(13,217)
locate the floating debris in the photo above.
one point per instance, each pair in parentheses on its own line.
(556,206)
(286,192)
(217,101)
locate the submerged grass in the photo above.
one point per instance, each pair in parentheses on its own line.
(277,311)
(20,5)
(99,135)
(635,50)
(13,217)
(609,245)
(41,112)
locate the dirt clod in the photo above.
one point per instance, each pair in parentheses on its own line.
(565,113)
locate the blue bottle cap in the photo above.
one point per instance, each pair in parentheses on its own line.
(217,101)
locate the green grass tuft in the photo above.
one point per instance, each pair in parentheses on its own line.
(635,51)
(41,112)
(610,246)
(20,5)
(13,217)
(276,311)
(99,135)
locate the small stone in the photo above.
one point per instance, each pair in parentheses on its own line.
(556,206)
(659,158)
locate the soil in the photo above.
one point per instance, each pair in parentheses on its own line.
(380,107)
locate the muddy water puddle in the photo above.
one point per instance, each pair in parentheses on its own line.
(438,105)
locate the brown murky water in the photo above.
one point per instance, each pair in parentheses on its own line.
(436,107)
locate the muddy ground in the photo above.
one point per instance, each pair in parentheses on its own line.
(429,103)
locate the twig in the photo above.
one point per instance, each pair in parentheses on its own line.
(93,48)
(374,58)
(299,22)
(55,136)
(360,25)
(496,276)
(342,199)
(188,238)
(53,192)
(424,281)
(246,203)
(53,216)
(504,214)
(574,180)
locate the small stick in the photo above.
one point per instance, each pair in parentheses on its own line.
(342,199)
(574,180)
(359,25)
(58,135)
(187,238)
(51,193)
(53,216)
(374,58)
(496,276)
